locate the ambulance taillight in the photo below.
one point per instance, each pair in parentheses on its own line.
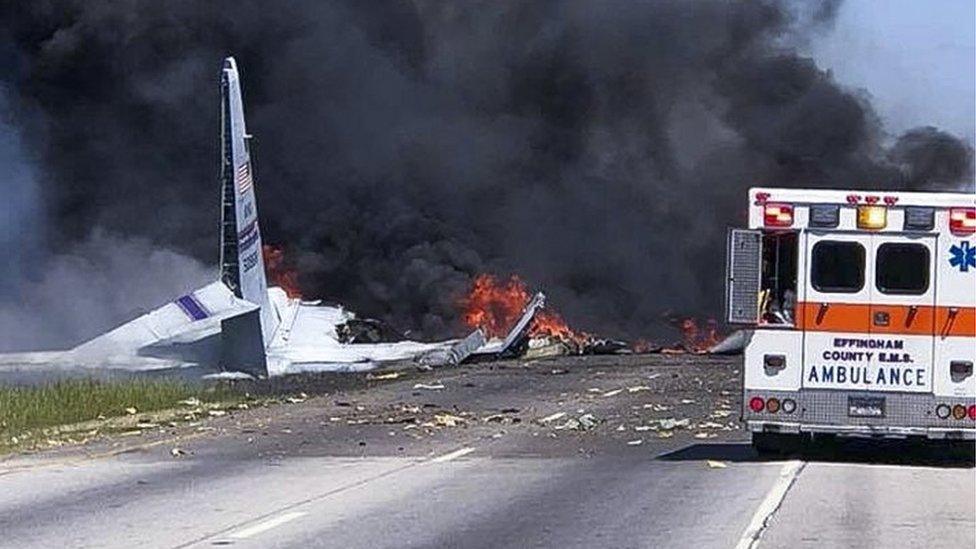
(778,215)
(962,220)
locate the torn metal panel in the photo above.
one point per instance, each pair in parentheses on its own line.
(734,344)
(520,331)
(456,353)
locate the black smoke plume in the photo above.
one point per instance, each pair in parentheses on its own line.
(599,149)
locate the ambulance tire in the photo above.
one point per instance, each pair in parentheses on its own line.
(776,443)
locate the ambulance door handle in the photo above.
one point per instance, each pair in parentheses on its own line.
(912,311)
(950,320)
(822,311)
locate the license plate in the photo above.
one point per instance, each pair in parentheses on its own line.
(866,406)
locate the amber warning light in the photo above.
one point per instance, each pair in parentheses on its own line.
(778,215)
(872,217)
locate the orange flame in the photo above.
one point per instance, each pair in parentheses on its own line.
(280,272)
(496,306)
(697,338)
(492,306)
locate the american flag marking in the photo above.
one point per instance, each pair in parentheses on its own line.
(244,181)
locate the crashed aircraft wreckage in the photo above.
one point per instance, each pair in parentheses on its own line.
(238,323)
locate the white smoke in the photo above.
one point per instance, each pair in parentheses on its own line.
(100,283)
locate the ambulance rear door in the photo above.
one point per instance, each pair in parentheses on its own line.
(835,311)
(903,311)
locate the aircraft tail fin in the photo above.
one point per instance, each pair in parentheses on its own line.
(241,261)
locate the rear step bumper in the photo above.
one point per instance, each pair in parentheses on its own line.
(881,431)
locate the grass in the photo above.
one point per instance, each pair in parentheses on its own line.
(23,409)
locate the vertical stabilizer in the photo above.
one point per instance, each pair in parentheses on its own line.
(241,263)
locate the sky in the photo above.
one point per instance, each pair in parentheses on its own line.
(916,58)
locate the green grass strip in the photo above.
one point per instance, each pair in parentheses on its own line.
(72,401)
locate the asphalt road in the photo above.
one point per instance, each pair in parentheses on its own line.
(486,461)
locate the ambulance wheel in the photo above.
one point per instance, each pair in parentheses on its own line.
(775,443)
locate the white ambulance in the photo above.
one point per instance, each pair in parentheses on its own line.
(862,311)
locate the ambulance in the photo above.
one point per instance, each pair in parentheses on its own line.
(860,310)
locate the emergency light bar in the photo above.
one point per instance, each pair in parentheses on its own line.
(778,215)
(962,220)
(872,217)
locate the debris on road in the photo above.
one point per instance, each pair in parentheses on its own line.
(713,464)
(614,392)
(448,420)
(584,422)
(429,386)
(671,423)
(637,442)
(177,452)
(378,377)
(734,344)
(552,417)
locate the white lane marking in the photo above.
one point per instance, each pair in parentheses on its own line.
(453,455)
(787,476)
(266,525)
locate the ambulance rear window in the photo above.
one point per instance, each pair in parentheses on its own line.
(837,267)
(902,268)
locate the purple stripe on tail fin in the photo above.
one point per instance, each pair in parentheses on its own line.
(193,308)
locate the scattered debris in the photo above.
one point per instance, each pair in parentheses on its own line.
(637,442)
(301,397)
(734,344)
(584,422)
(177,452)
(552,417)
(367,330)
(702,434)
(429,386)
(638,388)
(131,411)
(614,392)
(713,464)
(671,423)
(665,434)
(448,420)
(388,375)
(545,347)
(457,353)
